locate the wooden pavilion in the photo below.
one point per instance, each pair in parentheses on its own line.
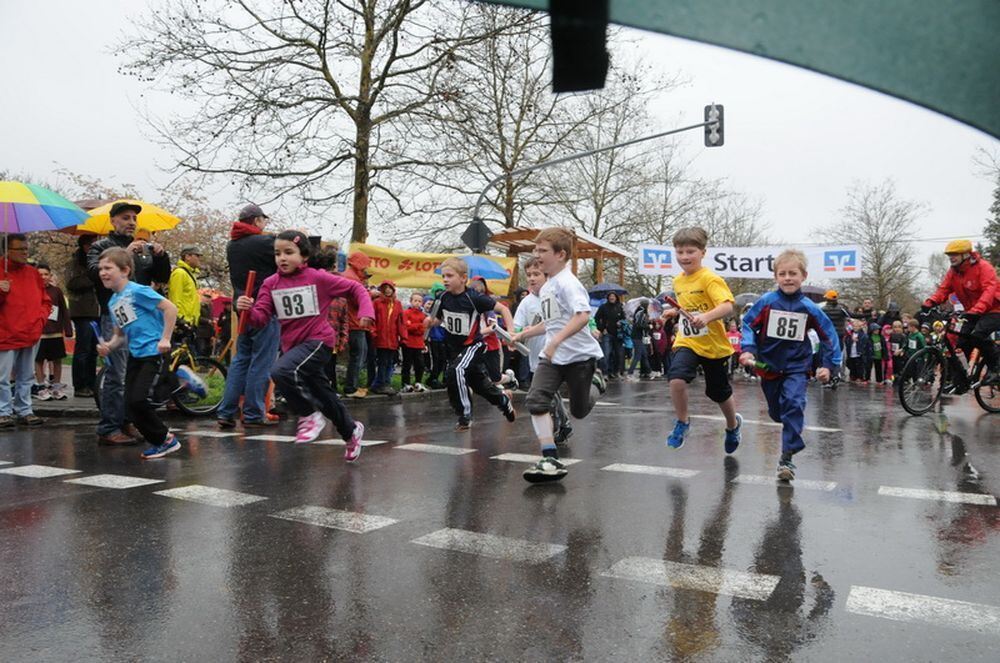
(516,241)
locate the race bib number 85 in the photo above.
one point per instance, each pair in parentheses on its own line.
(292,303)
(686,328)
(786,326)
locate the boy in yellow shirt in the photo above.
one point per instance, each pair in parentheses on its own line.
(701,337)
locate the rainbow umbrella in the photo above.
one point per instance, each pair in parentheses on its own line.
(151,218)
(26,208)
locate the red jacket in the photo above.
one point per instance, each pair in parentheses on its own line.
(24,309)
(388,323)
(974,282)
(413,328)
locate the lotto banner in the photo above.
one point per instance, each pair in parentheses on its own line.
(756,262)
(416,270)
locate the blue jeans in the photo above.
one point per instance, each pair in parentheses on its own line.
(84,354)
(639,357)
(357,348)
(249,372)
(113,388)
(20,362)
(386,362)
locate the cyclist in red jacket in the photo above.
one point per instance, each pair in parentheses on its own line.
(974,282)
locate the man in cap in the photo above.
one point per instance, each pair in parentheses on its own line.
(838,316)
(183,287)
(151,264)
(357,340)
(249,249)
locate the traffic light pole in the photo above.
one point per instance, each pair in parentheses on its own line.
(712,124)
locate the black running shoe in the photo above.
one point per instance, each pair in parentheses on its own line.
(463,424)
(547,469)
(508,407)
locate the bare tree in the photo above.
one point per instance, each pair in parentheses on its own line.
(289,94)
(882,224)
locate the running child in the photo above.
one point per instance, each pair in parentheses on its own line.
(299,296)
(529,314)
(570,354)
(701,337)
(145,320)
(461,316)
(775,333)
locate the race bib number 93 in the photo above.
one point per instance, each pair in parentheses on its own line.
(292,303)
(786,326)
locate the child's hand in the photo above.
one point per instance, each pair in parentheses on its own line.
(163,346)
(5,286)
(698,321)
(549,351)
(365,323)
(668,314)
(103,349)
(243,303)
(823,375)
(747,359)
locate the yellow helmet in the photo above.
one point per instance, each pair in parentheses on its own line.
(958,246)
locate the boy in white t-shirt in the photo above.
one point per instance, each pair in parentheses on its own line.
(529,313)
(570,354)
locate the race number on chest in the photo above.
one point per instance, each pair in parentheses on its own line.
(786,325)
(292,303)
(550,308)
(54,313)
(686,328)
(456,323)
(124,313)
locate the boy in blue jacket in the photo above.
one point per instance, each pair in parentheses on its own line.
(775,340)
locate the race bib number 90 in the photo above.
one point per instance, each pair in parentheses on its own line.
(786,326)
(124,313)
(292,303)
(456,323)
(686,328)
(550,308)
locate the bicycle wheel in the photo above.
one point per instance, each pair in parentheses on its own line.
(213,374)
(920,382)
(988,397)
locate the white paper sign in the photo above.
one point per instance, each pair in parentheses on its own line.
(292,303)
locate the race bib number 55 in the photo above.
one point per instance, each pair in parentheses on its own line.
(786,326)
(292,303)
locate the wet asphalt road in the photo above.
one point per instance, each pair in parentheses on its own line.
(711,561)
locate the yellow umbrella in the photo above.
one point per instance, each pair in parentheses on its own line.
(151,218)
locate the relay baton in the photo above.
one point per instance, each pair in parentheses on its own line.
(505,335)
(97,335)
(673,302)
(435,309)
(245,315)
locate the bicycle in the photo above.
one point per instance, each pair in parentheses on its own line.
(210,370)
(933,370)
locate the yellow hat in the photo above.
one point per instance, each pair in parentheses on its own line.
(830,294)
(959,246)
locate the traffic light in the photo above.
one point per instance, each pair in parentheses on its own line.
(713,132)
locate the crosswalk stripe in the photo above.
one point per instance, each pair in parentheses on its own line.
(6,462)
(38,471)
(490,545)
(211,496)
(729,582)
(349,521)
(656,470)
(937,495)
(762,480)
(758,422)
(272,438)
(210,433)
(528,458)
(905,607)
(435,449)
(340,443)
(117,481)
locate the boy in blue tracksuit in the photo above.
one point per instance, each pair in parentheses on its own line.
(776,341)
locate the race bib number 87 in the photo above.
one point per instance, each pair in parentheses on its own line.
(550,308)
(292,303)
(786,326)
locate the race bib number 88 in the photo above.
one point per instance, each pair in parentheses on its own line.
(786,326)
(292,303)
(686,328)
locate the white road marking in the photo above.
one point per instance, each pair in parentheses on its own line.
(730,582)
(340,443)
(904,607)
(656,470)
(528,458)
(763,480)
(937,495)
(349,521)
(490,545)
(436,449)
(113,481)
(210,433)
(758,422)
(6,462)
(38,471)
(211,496)
(605,403)
(272,438)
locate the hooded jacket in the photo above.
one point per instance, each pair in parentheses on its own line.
(357,263)
(788,356)
(24,308)
(388,322)
(183,292)
(249,249)
(148,267)
(974,282)
(413,328)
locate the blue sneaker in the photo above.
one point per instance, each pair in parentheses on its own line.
(192,381)
(733,436)
(676,439)
(169,446)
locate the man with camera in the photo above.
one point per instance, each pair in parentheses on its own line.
(151,264)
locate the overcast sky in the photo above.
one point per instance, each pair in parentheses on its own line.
(795,139)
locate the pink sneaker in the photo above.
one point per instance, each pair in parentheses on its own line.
(353,450)
(310,427)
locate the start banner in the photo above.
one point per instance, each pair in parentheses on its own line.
(416,270)
(756,262)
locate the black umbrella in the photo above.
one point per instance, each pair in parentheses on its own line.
(602,290)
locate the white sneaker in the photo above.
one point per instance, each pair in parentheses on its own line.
(407,389)
(353,446)
(419,388)
(310,427)
(43,394)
